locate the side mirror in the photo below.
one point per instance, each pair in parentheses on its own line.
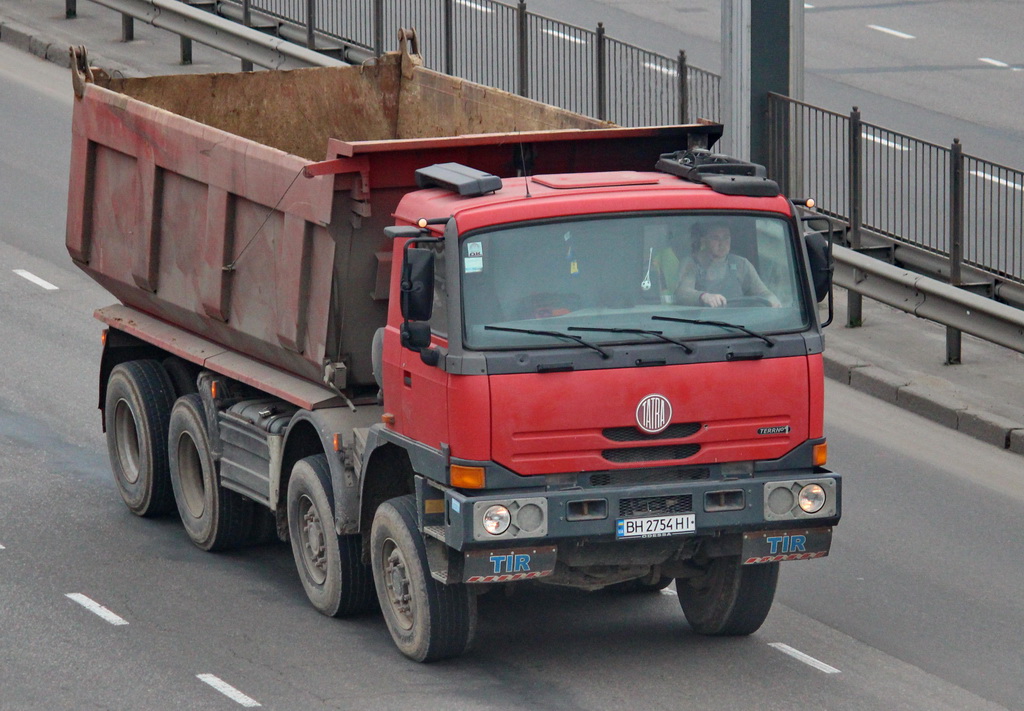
(418,285)
(416,337)
(821,264)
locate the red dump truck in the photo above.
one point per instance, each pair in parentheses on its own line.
(481,340)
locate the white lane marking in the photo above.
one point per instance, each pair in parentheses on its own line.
(475,6)
(1,546)
(999,181)
(805,658)
(228,690)
(993,62)
(666,591)
(890,31)
(884,142)
(563,36)
(664,70)
(808,6)
(96,608)
(34,279)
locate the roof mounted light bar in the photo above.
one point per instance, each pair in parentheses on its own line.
(723,174)
(457,178)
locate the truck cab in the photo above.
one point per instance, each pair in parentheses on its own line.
(582,413)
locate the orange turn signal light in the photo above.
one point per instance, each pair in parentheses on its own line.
(820,454)
(463,477)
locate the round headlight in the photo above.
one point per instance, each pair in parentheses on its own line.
(811,498)
(496,520)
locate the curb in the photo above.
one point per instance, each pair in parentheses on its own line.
(928,402)
(23,38)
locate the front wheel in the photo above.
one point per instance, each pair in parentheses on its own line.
(428,621)
(728,599)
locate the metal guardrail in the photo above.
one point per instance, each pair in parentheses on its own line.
(930,299)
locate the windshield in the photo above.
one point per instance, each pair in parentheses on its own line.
(607,278)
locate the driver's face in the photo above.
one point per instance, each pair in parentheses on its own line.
(718,241)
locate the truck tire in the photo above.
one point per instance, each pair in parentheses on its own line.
(730,599)
(428,620)
(183,376)
(137,412)
(215,518)
(330,566)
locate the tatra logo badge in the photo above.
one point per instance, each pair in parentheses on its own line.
(653,414)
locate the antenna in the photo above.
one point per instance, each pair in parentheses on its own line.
(526,173)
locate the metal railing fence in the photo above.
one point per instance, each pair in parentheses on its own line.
(936,198)
(506,46)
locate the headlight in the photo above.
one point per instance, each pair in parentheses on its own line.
(497,519)
(811,498)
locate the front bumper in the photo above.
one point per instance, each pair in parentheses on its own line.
(548,521)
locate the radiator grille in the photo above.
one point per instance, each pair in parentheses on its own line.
(656,506)
(632,434)
(664,475)
(650,454)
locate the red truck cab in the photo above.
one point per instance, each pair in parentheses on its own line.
(595,419)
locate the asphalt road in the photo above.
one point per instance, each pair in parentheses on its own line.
(918,607)
(935,69)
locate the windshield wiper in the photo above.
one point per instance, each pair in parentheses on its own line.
(642,331)
(554,334)
(720,324)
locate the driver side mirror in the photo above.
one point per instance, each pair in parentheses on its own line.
(820,257)
(417,284)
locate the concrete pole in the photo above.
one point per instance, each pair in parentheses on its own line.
(736,78)
(762,51)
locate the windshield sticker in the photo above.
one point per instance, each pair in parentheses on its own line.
(474,257)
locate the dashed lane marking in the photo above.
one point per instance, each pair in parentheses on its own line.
(671,71)
(97,609)
(805,658)
(996,179)
(228,690)
(475,6)
(34,279)
(890,31)
(563,36)
(884,142)
(993,62)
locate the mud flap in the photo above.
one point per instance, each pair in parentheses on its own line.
(777,546)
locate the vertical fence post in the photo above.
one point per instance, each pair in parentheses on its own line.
(247,22)
(127,28)
(522,81)
(186,50)
(378,27)
(854,308)
(602,79)
(684,88)
(310,24)
(70,9)
(956,239)
(449,29)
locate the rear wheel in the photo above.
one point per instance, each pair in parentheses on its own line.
(330,566)
(137,413)
(214,518)
(428,621)
(729,599)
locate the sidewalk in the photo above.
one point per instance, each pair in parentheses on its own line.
(893,356)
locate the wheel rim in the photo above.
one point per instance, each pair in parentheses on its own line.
(396,580)
(126,435)
(313,539)
(190,475)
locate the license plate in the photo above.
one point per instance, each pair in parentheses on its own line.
(656,526)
